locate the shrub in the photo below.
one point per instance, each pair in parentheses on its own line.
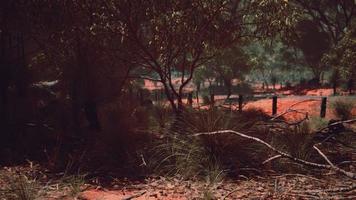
(343,109)
(317,123)
(297,141)
(161,117)
(20,188)
(208,156)
(206,100)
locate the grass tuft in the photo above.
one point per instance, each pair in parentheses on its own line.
(343,109)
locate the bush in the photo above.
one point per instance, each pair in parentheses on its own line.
(297,141)
(207,156)
(343,109)
(161,116)
(20,188)
(206,100)
(124,138)
(179,155)
(317,123)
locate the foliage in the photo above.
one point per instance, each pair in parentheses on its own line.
(313,43)
(275,59)
(341,57)
(21,188)
(230,64)
(297,141)
(343,109)
(317,123)
(75,183)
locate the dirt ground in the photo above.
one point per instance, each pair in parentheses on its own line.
(287,186)
(323,185)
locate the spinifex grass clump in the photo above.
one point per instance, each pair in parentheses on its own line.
(296,141)
(20,187)
(182,153)
(343,109)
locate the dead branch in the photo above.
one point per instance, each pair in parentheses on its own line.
(283,154)
(335,124)
(271,159)
(337,169)
(306,117)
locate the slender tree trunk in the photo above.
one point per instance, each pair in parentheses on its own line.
(228,86)
(334,88)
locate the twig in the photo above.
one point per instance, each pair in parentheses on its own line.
(300,175)
(289,109)
(283,154)
(230,193)
(271,159)
(135,195)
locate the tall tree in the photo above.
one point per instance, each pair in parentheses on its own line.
(174,37)
(314,43)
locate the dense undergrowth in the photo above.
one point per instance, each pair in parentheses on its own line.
(139,141)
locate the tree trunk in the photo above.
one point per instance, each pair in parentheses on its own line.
(334,88)
(350,84)
(228,86)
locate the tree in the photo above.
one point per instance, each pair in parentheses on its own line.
(328,22)
(335,79)
(66,42)
(230,64)
(342,58)
(314,44)
(174,37)
(332,17)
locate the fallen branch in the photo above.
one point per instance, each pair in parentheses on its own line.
(283,154)
(335,124)
(348,174)
(271,159)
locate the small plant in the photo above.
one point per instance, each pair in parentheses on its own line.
(21,188)
(343,109)
(208,194)
(179,155)
(161,117)
(74,183)
(297,141)
(206,100)
(317,123)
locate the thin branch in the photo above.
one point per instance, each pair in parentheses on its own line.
(335,124)
(271,159)
(337,169)
(289,109)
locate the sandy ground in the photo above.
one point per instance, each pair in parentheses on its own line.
(287,186)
